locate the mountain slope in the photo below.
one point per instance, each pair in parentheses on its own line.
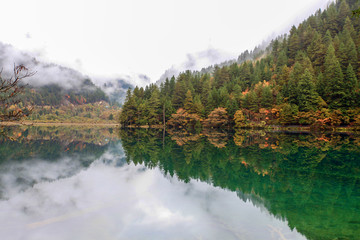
(308,77)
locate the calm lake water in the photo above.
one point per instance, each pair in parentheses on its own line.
(102,183)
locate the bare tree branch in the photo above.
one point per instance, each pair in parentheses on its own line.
(9,95)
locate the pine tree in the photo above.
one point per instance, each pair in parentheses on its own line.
(307,37)
(245,75)
(293,45)
(347,51)
(344,13)
(320,84)
(206,88)
(327,39)
(169,109)
(307,96)
(234,71)
(231,106)
(316,52)
(350,28)
(282,60)
(223,97)
(266,97)
(333,80)
(188,103)
(212,100)
(129,110)
(292,87)
(179,93)
(336,44)
(198,106)
(350,87)
(331,19)
(284,80)
(154,107)
(172,86)
(252,101)
(237,92)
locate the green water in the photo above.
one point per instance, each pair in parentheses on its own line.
(311,181)
(60,183)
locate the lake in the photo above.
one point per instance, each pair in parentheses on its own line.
(105,183)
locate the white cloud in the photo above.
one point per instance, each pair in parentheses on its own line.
(112,38)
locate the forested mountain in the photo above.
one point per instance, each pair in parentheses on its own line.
(53,84)
(59,94)
(55,95)
(308,77)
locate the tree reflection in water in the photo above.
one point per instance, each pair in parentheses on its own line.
(312,181)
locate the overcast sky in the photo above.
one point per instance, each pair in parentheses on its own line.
(117,37)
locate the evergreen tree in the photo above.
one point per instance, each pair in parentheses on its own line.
(307,96)
(350,28)
(292,88)
(347,51)
(212,100)
(231,106)
(307,37)
(344,13)
(331,20)
(245,75)
(350,87)
(251,101)
(333,80)
(327,39)
(237,92)
(179,93)
(129,109)
(282,60)
(172,86)
(266,97)
(223,97)
(154,107)
(293,45)
(168,109)
(320,84)
(189,104)
(198,106)
(316,52)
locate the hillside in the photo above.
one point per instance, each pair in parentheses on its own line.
(308,77)
(61,94)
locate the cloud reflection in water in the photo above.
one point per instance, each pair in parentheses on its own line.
(129,202)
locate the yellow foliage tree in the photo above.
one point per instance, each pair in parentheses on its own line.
(239,119)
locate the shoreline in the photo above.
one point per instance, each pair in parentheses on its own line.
(290,128)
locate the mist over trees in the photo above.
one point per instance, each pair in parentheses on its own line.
(309,77)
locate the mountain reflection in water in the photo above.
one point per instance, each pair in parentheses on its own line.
(86,184)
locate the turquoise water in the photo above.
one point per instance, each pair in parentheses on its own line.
(60,183)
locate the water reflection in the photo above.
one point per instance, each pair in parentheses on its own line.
(133,203)
(312,181)
(213,185)
(31,155)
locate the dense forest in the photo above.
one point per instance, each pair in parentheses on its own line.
(308,77)
(55,95)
